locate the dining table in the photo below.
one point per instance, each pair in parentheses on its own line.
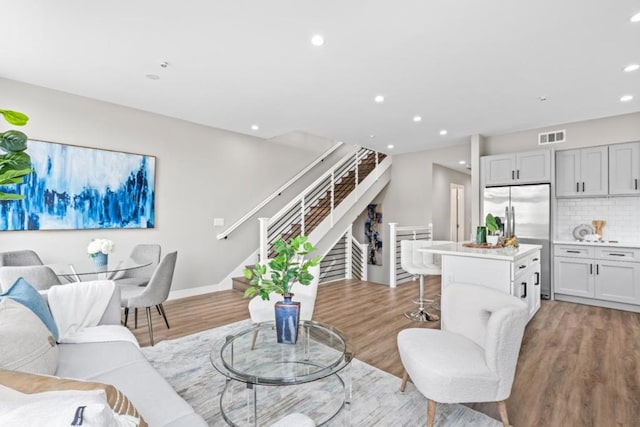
(85,269)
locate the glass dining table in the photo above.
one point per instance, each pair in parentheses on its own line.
(81,270)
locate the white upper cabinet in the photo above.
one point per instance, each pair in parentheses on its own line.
(582,172)
(518,168)
(624,169)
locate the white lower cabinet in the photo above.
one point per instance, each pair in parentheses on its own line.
(583,272)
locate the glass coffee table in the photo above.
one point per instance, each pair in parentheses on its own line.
(267,380)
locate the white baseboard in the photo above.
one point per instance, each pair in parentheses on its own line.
(200,290)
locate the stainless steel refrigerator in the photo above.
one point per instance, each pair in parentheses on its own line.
(525,211)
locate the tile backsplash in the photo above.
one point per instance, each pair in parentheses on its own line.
(622,215)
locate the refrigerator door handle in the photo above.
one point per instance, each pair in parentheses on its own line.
(513,221)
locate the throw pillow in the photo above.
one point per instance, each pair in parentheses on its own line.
(29,383)
(59,408)
(27,345)
(27,295)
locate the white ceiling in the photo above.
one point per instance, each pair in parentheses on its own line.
(467,66)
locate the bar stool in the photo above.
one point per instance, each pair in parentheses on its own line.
(420,264)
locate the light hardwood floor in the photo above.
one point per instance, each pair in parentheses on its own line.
(579,365)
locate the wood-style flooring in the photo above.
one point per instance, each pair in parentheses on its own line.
(578,366)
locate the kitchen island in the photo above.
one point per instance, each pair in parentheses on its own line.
(509,270)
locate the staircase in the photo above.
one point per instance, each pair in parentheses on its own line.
(317,209)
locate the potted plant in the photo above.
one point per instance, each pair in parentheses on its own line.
(14,163)
(99,250)
(284,271)
(493,227)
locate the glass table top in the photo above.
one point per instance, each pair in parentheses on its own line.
(321,350)
(86,266)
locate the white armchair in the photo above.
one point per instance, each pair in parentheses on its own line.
(262,310)
(474,358)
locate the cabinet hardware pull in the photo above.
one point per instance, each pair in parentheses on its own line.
(615,254)
(535,259)
(524,295)
(577,187)
(590,268)
(636,183)
(513,175)
(518,174)
(522,266)
(583,186)
(573,252)
(537,278)
(597,268)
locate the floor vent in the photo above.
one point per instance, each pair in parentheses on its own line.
(553,137)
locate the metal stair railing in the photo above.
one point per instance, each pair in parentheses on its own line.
(319,201)
(397,274)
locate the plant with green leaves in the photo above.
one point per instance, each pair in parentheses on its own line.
(493,223)
(285,270)
(15,163)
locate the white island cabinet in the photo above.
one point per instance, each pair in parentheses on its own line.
(513,272)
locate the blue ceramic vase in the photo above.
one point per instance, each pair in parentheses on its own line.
(100,260)
(287,317)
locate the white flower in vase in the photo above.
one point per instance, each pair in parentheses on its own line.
(97,246)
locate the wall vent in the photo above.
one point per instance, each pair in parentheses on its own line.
(553,137)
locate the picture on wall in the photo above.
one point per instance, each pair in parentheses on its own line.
(373,234)
(73,188)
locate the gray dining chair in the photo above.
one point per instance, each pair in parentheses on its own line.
(154,294)
(19,258)
(139,276)
(40,277)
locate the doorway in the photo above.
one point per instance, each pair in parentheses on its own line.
(456,213)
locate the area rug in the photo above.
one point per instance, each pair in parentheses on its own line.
(377,400)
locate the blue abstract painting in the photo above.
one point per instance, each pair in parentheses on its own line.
(75,187)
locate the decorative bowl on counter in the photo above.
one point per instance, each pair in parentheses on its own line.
(582,230)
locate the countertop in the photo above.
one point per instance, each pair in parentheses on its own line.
(634,245)
(499,254)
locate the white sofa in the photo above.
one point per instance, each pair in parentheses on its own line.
(121,364)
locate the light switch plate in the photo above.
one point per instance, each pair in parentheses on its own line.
(218,222)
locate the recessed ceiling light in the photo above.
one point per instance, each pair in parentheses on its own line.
(255,127)
(636,17)
(379,99)
(443,132)
(462,162)
(390,146)
(631,67)
(372,136)
(417,119)
(317,40)
(152,76)
(626,98)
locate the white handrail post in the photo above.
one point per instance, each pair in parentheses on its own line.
(357,173)
(264,239)
(302,215)
(377,163)
(392,254)
(365,253)
(333,191)
(348,252)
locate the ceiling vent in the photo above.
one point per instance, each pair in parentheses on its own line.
(553,137)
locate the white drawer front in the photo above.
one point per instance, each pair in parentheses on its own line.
(574,251)
(618,254)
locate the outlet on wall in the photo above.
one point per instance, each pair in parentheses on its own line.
(218,222)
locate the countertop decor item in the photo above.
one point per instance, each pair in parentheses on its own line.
(598,224)
(285,270)
(582,230)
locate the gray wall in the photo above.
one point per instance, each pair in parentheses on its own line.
(607,130)
(202,173)
(443,177)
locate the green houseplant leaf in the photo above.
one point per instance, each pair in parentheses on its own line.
(14,117)
(492,224)
(287,268)
(13,141)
